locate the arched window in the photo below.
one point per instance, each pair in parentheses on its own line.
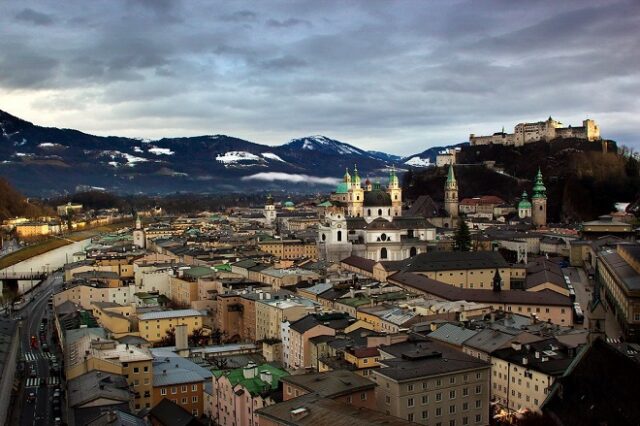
(383,253)
(358,198)
(339,235)
(388,212)
(540,207)
(412,252)
(324,237)
(396,196)
(379,212)
(368,212)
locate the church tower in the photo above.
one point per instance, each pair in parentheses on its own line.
(356,195)
(139,238)
(270,210)
(451,194)
(395,192)
(539,201)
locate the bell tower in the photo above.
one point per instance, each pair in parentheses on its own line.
(539,201)
(451,194)
(269,210)
(395,192)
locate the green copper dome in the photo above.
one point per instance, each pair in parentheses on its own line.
(539,190)
(524,202)
(342,188)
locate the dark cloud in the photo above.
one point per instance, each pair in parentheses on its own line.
(34,17)
(389,76)
(287,23)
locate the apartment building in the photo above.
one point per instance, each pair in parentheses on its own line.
(270,312)
(153,326)
(618,275)
(85,295)
(431,383)
(118,319)
(240,392)
(90,353)
(522,374)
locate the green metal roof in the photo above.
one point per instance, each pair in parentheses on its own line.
(254,385)
(325,204)
(342,188)
(199,271)
(524,202)
(223,267)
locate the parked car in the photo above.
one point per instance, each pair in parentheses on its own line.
(45,347)
(33,372)
(31,397)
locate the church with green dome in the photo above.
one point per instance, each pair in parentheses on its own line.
(366,219)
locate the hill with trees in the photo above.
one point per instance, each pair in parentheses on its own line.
(583,179)
(13,203)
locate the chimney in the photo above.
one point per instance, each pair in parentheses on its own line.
(249,372)
(525,360)
(299,413)
(182,342)
(111,416)
(266,376)
(516,346)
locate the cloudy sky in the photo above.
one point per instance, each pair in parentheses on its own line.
(397,76)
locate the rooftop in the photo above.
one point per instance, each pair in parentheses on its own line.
(170,314)
(331,384)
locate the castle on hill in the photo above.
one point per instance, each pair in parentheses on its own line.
(541,131)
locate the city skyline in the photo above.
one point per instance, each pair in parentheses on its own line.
(382,76)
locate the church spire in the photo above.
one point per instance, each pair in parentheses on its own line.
(539,190)
(451,177)
(347,176)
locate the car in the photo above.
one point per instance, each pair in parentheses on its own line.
(57,421)
(45,347)
(33,372)
(31,397)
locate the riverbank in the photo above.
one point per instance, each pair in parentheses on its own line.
(57,242)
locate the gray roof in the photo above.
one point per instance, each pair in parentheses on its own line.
(628,276)
(489,340)
(452,334)
(418,359)
(121,419)
(97,385)
(443,261)
(331,384)
(178,369)
(170,314)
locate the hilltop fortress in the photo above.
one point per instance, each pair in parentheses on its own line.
(541,131)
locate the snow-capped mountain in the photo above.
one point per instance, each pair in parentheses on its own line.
(427,158)
(46,161)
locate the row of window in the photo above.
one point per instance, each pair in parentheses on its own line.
(465,419)
(452,381)
(183,389)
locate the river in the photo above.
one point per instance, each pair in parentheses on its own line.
(46,262)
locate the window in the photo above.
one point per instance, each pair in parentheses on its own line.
(194,387)
(465,420)
(388,399)
(194,399)
(425,414)
(410,402)
(349,399)
(478,376)
(438,412)
(478,418)
(465,406)
(136,370)
(452,409)
(183,388)
(363,396)
(452,380)
(184,400)
(410,388)
(410,417)
(163,391)
(339,236)
(452,394)
(438,382)
(145,369)
(438,396)
(383,253)
(425,399)
(478,403)
(479,389)
(174,390)
(465,391)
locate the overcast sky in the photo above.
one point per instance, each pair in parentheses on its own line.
(397,76)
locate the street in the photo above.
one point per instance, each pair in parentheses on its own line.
(584,291)
(40,411)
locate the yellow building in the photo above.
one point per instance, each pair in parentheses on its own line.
(289,249)
(117,319)
(270,313)
(91,353)
(153,326)
(32,229)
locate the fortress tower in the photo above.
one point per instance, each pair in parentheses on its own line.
(539,202)
(451,194)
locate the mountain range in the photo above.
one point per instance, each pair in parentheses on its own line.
(46,161)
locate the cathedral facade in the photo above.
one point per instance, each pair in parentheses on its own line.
(367,220)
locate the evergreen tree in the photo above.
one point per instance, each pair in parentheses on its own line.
(462,236)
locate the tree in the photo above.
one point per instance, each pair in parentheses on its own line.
(462,237)
(198,337)
(168,339)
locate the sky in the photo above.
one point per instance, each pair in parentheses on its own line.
(395,76)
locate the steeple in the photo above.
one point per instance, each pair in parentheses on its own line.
(451,194)
(451,177)
(393,178)
(347,176)
(539,190)
(497,281)
(355,181)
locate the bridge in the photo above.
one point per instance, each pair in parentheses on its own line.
(9,279)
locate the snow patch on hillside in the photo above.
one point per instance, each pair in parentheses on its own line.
(232,157)
(160,151)
(272,156)
(138,149)
(418,162)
